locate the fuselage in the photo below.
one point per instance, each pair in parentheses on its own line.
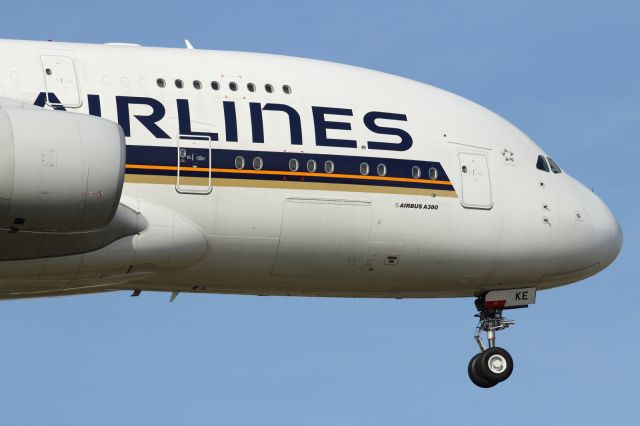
(309,178)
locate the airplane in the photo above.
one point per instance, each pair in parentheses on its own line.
(130,168)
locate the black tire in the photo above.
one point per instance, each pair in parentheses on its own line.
(476,376)
(495,364)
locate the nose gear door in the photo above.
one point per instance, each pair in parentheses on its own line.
(476,182)
(61,82)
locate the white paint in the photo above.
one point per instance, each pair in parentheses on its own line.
(476,181)
(332,245)
(513,297)
(60,78)
(257,241)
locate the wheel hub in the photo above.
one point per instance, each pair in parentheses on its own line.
(497,364)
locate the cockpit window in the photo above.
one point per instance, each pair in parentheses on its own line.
(542,164)
(554,166)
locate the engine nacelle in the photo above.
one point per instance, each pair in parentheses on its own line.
(59,171)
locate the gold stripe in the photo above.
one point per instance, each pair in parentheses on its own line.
(274,184)
(155,179)
(286,173)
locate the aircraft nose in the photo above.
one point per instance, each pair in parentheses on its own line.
(607,231)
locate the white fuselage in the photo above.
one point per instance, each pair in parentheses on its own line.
(479,216)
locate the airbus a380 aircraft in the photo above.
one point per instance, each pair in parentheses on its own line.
(131,168)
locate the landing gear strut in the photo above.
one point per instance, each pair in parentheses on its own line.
(493,364)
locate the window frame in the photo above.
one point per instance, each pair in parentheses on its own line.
(542,164)
(433,173)
(555,168)
(315,165)
(241,159)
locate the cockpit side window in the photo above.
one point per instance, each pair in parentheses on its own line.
(542,164)
(554,166)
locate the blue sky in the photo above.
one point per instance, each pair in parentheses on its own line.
(567,73)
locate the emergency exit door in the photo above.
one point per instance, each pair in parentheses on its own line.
(61,81)
(194,167)
(476,182)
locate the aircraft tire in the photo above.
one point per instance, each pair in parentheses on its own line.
(495,364)
(475,374)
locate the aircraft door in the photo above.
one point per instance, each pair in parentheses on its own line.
(325,238)
(476,182)
(194,167)
(61,82)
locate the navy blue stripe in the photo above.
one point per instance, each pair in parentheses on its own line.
(279,161)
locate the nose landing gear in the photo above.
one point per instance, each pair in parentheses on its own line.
(493,364)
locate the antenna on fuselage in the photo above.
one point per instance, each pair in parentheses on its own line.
(188,44)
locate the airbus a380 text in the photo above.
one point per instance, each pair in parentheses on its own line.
(180,170)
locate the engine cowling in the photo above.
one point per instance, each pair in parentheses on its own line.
(59,171)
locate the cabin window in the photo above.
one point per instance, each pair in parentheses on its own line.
(286,89)
(239,162)
(329,167)
(251,87)
(215,85)
(233,86)
(268,88)
(179,84)
(381,170)
(433,173)
(161,82)
(554,166)
(257,163)
(294,164)
(312,166)
(364,169)
(542,164)
(416,172)
(197,84)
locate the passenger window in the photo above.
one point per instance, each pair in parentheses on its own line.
(542,164)
(433,173)
(268,88)
(197,85)
(233,86)
(294,165)
(286,89)
(554,166)
(251,87)
(364,169)
(161,82)
(329,167)
(311,166)
(215,85)
(257,163)
(416,172)
(179,84)
(239,162)
(382,170)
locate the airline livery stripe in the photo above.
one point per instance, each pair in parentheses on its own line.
(288,184)
(287,173)
(296,167)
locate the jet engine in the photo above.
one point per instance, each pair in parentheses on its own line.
(59,171)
